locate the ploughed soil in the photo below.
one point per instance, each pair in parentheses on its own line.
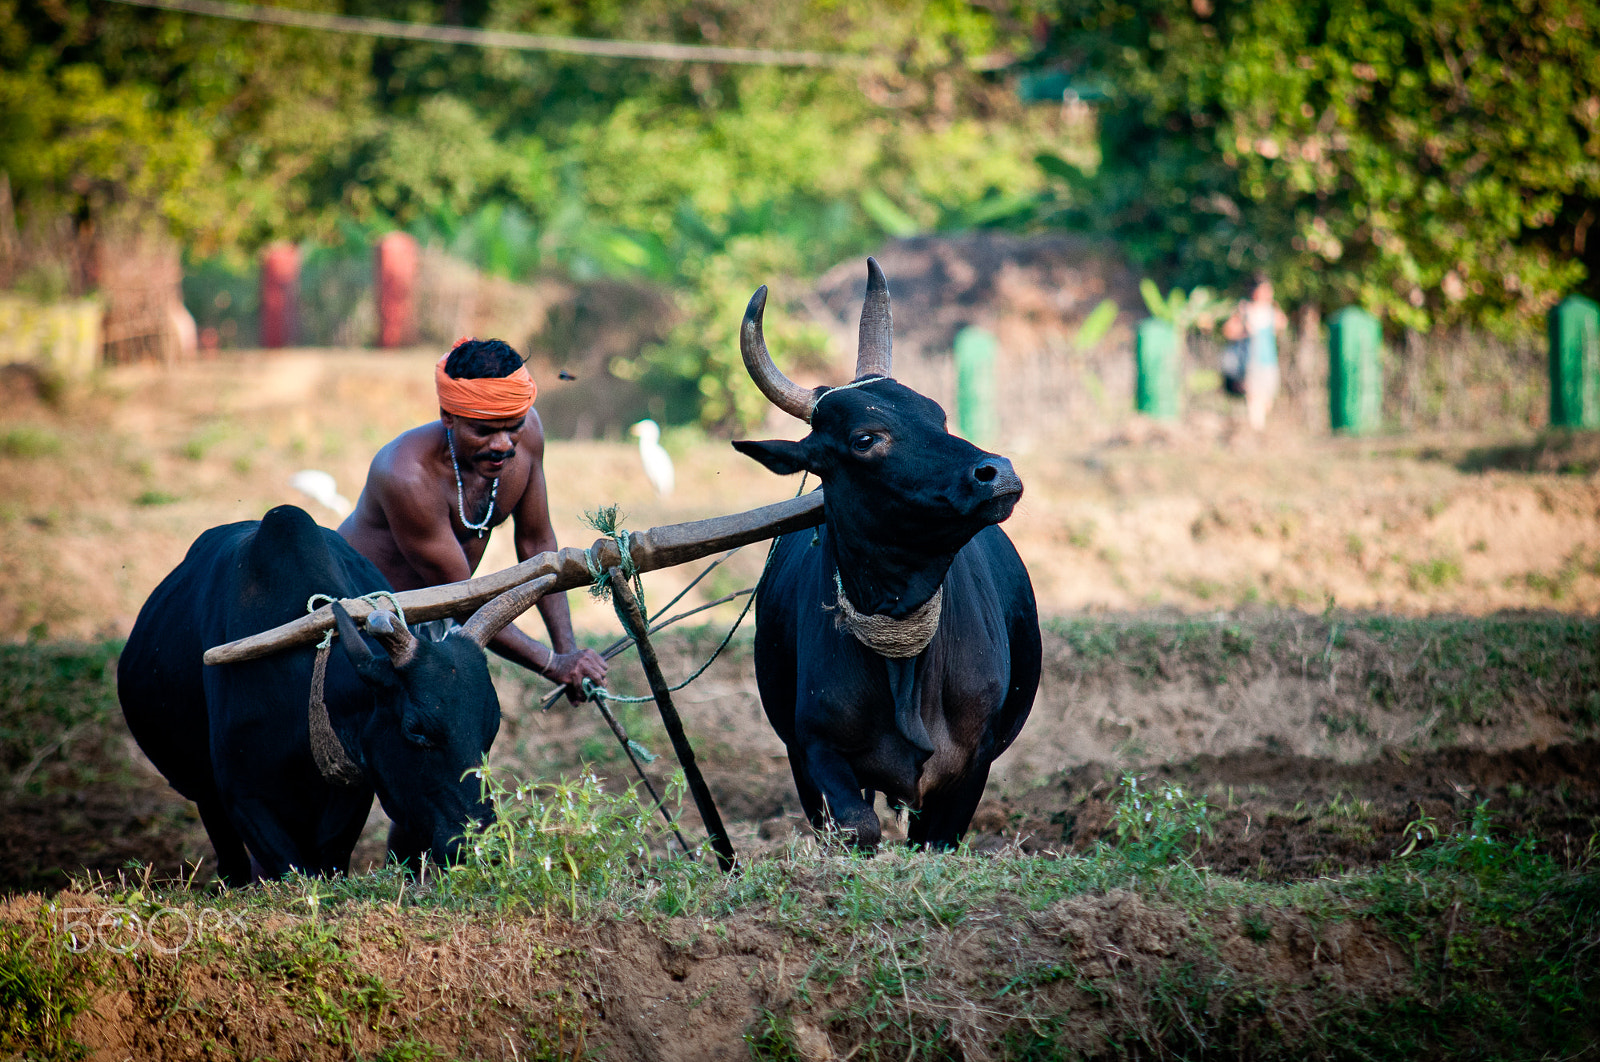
(1300,630)
(1299,784)
(1291,796)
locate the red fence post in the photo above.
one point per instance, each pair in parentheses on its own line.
(396,266)
(280,295)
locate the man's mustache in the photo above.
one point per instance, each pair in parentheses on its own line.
(489,457)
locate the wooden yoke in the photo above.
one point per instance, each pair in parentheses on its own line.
(658,547)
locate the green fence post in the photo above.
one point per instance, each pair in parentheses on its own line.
(1575,363)
(975,350)
(1355,371)
(1156,385)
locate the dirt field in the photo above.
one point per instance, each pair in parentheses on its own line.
(103,488)
(1329,639)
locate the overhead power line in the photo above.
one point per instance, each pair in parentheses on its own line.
(527,42)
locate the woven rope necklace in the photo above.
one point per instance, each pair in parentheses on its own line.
(461,501)
(884,635)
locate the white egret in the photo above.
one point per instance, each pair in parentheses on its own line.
(320,487)
(657,462)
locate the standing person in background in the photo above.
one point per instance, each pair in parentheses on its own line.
(1256,323)
(434,493)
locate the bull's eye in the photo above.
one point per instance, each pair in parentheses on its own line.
(862,441)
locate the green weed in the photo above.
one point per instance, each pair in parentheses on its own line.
(1435,573)
(42,988)
(553,841)
(201,443)
(408,1049)
(1419,830)
(316,970)
(1257,926)
(1157,827)
(771,1038)
(1082,535)
(28,440)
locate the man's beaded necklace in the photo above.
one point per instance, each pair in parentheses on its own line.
(481,526)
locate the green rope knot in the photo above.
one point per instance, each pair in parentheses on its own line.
(316,601)
(605,521)
(598,693)
(608,522)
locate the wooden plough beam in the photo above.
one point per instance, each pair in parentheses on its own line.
(658,547)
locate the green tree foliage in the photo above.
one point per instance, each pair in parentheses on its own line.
(1436,161)
(718,178)
(215,129)
(710,178)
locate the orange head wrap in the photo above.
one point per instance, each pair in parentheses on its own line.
(491,398)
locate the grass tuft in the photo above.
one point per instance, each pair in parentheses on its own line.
(1157,827)
(42,988)
(29,440)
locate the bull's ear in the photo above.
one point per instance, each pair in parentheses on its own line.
(374,670)
(779,455)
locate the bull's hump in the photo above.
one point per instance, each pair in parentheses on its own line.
(289,546)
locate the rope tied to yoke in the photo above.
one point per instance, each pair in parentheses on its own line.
(607,521)
(312,604)
(333,763)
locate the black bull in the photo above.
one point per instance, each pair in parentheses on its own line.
(910,561)
(407,721)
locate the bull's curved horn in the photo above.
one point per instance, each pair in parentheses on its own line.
(492,618)
(354,647)
(372,668)
(392,633)
(779,389)
(874,355)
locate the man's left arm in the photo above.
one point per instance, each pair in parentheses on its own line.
(534,534)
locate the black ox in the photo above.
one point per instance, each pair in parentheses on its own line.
(897,649)
(277,786)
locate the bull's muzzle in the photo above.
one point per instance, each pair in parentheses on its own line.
(997,477)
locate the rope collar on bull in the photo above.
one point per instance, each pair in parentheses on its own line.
(886,635)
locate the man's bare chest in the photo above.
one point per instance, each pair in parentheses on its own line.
(478,504)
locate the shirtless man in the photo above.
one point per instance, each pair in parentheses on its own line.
(434,493)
